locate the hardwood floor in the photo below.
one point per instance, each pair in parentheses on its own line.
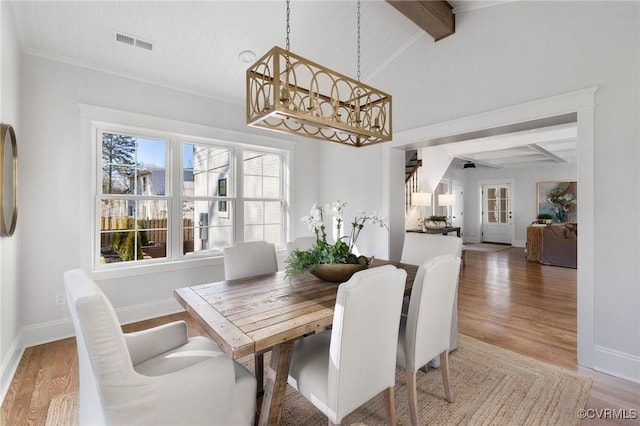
(503,300)
(523,306)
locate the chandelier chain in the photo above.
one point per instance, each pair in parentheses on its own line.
(358,40)
(288,26)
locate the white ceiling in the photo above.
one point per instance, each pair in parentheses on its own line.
(197,44)
(530,148)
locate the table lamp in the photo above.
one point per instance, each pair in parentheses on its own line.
(421,199)
(446,200)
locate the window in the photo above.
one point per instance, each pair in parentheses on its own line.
(226,193)
(263,201)
(498,204)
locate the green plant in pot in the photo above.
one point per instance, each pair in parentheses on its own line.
(435,222)
(331,262)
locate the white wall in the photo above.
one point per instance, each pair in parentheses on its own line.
(355,176)
(499,57)
(524,193)
(56,171)
(9,267)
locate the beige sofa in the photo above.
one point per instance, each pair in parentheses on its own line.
(560,245)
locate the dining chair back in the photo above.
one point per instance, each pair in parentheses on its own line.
(153,376)
(417,249)
(342,368)
(249,259)
(425,331)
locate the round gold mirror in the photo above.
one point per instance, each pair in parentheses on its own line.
(8,180)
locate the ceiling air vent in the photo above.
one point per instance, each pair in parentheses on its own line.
(144,44)
(125,39)
(132,41)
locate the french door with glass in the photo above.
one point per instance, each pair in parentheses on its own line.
(496,213)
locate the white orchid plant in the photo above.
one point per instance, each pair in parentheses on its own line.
(323,252)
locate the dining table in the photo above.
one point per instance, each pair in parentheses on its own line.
(268,313)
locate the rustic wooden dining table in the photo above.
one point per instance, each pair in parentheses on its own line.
(267,312)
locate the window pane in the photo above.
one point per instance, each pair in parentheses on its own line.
(119,247)
(207,226)
(152,210)
(114,214)
(262,175)
(132,165)
(152,222)
(118,149)
(151,179)
(209,169)
(253,186)
(129,229)
(263,221)
(151,153)
(118,179)
(271,165)
(253,213)
(271,187)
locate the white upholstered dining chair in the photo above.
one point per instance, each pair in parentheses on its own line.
(417,249)
(425,331)
(249,259)
(155,376)
(340,369)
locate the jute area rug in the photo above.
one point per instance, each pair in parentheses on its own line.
(486,247)
(490,385)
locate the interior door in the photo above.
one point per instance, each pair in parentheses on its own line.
(496,213)
(457,218)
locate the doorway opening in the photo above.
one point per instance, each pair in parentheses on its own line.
(579,104)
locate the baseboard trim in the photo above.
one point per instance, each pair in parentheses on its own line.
(616,363)
(9,366)
(61,329)
(519,243)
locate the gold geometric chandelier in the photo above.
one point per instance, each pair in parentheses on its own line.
(291,94)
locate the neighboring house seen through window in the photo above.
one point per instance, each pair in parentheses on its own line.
(225,193)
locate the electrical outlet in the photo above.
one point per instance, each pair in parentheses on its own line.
(60,299)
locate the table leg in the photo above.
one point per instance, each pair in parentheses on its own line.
(275,385)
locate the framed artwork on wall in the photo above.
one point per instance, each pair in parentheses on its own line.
(559,199)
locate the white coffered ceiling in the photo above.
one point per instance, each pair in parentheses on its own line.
(555,144)
(196,45)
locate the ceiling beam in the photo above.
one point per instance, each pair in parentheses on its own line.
(546,153)
(434,17)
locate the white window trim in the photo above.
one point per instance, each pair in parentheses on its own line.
(94,117)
